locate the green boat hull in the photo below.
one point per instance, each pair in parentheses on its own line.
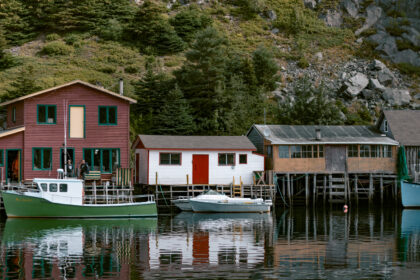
(17,205)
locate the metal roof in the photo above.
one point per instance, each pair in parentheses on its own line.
(4,133)
(131,100)
(196,142)
(404,126)
(330,134)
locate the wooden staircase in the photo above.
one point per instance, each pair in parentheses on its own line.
(338,188)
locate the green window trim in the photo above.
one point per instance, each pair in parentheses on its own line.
(1,157)
(107,114)
(47,107)
(100,150)
(14,114)
(42,159)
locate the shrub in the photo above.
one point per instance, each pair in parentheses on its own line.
(186,23)
(56,48)
(52,37)
(368,32)
(407,68)
(131,69)
(108,69)
(303,62)
(394,29)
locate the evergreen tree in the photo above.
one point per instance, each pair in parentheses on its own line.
(175,116)
(202,79)
(311,107)
(24,84)
(6,60)
(188,22)
(265,68)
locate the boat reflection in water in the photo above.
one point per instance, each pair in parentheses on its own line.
(44,248)
(410,236)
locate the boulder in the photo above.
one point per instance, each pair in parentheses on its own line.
(332,18)
(311,4)
(373,13)
(417,96)
(412,36)
(356,84)
(396,97)
(275,31)
(271,15)
(377,65)
(368,94)
(374,84)
(406,56)
(318,56)
(351,7)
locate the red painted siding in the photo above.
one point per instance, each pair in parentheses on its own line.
(14,141)
(52,135)
(19,114)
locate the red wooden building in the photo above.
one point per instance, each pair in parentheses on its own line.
(95,122)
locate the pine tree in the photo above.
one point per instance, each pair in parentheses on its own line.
(24,84)
(175,116)
(6,60)
(265,68)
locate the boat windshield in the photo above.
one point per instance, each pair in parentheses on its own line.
(211,192)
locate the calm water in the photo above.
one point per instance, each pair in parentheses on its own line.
(294,244)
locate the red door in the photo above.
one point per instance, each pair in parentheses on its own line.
(200,172)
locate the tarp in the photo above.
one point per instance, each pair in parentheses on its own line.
(402,164)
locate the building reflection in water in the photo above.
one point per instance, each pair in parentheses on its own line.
(297,243)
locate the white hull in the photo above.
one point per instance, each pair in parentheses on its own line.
(183,204)
(230,206)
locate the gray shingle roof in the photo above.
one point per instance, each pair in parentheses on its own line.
(330,134)
(405,126)
(196,142)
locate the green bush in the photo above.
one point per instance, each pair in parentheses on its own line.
(303,62)
(395,13)
(187,22)
(132,69)
(56,48)
(368,32)
(52,37)
(108,69)
(407,68)
(112,30)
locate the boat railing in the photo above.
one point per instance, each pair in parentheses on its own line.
(20,188)
(117,199)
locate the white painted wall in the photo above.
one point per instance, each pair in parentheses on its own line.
(177,174)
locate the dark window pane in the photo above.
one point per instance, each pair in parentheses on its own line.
(1,157)
(37,159)
(164,158)
(53,187)
(44,187)
(102,115)
(242,159)
(112,115)
(321,151)
(47,159)
(176,159)
(106,161)
(51,114)
(63,187)
(87,155)
(115,159)
(222,159)
(96,160)
(283,151)
(230,159)
(42,114)
(364,151)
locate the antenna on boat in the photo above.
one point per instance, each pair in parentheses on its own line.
(65,138)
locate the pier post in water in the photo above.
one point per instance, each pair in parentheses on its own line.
(306,189)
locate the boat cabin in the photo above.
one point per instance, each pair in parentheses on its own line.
(64,191)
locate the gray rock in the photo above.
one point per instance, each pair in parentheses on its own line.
(271,15)
(412,35)
(378,65)
(351,7)
(275,31)
(318,56)
(374,84)
(311,4)
(388,46)
(396,97)
(373,13)
(387,78)
(406,56)
(417,96)
(356,84)
(332,18)
(368,94)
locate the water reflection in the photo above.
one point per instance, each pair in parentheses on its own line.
(296,243)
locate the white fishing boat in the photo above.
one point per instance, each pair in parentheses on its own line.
(182,203)
(213,201)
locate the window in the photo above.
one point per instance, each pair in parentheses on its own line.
(46,114)
(77,121)
(387,151)
(41,158)
(53,187)
(44,187)
(227,159)
(353,151)
(315,150)
(283,151)
(296,151)
(307,151)
(243,159)
(1,158)
(104,160)
(170,158)
(107,115)
(375,151)
(364,150)
(385,126)
(321,151)
(269,151)
(14,114)
(63,187)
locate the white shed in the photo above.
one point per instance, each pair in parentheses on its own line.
(200,160)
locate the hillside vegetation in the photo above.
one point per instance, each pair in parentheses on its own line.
(208,67)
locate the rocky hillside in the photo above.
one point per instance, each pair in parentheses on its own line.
(366,53)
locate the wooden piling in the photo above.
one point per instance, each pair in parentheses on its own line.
(330,187)
(370,187)
(381,184)
(325,189)
(289,192)
(306,189)
(314,191)
(356,191)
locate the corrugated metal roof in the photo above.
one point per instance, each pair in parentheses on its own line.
(405,126)
(330,134)
(197,142)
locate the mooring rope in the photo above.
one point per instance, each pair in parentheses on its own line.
(160,186)
(278,188)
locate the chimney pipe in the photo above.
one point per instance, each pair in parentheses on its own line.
(318,133)
(121,86)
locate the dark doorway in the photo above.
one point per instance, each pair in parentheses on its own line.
(335,158)
(70,156)
(13,166)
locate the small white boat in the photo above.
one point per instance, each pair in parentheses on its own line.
(213,201)
(183,203)
(410,194)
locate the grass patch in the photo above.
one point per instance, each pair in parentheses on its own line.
(409,69)
(56,48)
